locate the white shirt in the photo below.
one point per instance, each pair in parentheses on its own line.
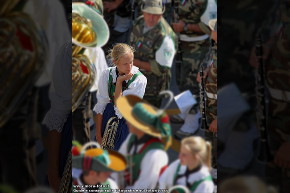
(50,15)
(137,87)
(167,178)
(153,161)
(60,91)
(97,57)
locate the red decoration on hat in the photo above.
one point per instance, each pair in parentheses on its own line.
(75,151)
(165,119)
(90,3)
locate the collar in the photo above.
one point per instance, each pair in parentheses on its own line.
(189,172)
(113,73)
(140,141)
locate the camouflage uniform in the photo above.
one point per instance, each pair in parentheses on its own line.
(277,78)
(166,3)
(193,52)
(211,101)
(137,8)
(168,10)
(119,23)
(211,88)
(148,47)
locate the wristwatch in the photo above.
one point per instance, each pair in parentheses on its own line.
(185,28)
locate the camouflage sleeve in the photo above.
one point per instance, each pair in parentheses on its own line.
(164,55)
(155,67)
(197,10)
(204,28)
(211,109)
(211,87)
(211,79)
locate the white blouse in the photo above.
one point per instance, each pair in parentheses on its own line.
(97,56)
(167,178)
(137,87)
(50,15)
(151,164)
(60,90)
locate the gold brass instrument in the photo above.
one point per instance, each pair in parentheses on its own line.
(8,6)
(110,133)
(23,49)
(88,30)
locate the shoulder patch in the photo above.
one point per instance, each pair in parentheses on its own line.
(165,54)
(210,12)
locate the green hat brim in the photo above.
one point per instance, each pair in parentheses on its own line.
(100,26)
(118,163)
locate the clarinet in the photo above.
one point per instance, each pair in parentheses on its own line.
(264,155)
(206,62)
(203,102)
(133,5)
(178,60)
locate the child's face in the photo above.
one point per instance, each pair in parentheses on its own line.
(103,176)
(186,157)
(125,63)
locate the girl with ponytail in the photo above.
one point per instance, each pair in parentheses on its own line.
(192,169)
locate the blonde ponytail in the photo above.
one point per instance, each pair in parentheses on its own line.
(120,50)
(197,145)
(207,158)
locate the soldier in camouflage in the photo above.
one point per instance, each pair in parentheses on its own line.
(194,46)
(137,4)
(211,83)
(155,45)
(277,77)
(211,97)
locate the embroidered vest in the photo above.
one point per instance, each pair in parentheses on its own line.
(112,85)
(135,160)
(192,187)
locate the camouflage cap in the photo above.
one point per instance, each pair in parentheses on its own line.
(153,7)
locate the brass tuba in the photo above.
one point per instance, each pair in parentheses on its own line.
(89,30)
(23,49)
(108,140)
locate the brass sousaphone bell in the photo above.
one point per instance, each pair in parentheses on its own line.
(23,51)
(89,30)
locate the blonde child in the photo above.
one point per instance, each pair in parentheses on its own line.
(122,79)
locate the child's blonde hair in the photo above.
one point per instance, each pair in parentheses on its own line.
(120,50)
(197,145)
